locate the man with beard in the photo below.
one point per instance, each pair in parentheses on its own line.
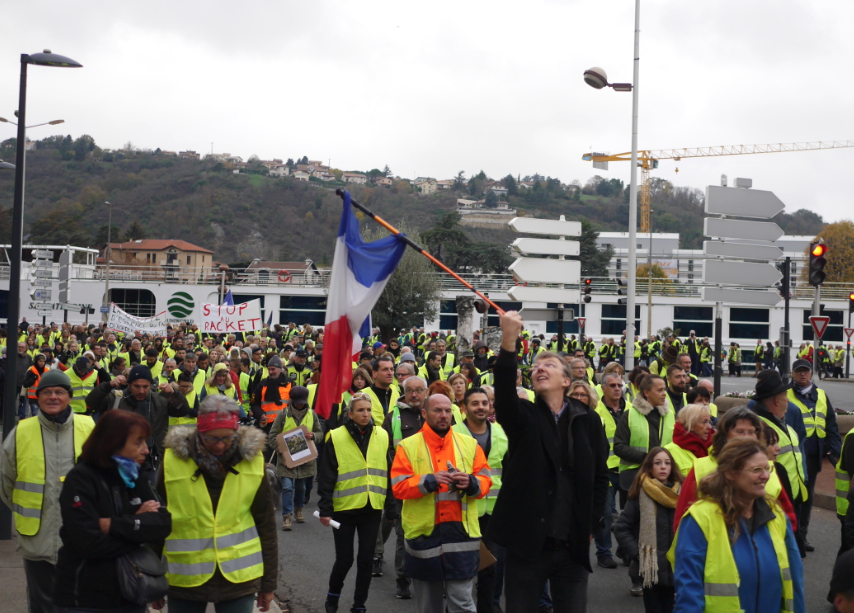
(154,365)
(677,387)
(272,394)
(481,356)
(432,369)
(446,359)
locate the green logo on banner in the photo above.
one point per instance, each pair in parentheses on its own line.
(180,305)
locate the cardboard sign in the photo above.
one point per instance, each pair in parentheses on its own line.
(122,321)
(232,318)
(295,447)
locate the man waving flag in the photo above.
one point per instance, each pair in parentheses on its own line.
(360,272)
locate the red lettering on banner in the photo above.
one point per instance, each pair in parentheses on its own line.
(206,309)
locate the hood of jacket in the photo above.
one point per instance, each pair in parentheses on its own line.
(181,440)
(645,408)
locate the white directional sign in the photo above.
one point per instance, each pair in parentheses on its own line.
(42,253)
(551,227)
(41,282)
(42,305)
(45,313)
(545,246)
(521,293)
(43,295)
(740,273)
(747,230)
(737,250)
(541,270)
(42,264)
(547,314)
(42,274)
(743,296)
(742,202)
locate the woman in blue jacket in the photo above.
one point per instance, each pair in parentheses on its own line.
(735,549)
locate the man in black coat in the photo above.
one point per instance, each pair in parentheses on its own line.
(555,482)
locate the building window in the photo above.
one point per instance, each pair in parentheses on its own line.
(699,319)
(614,319)
(136,302)
(619,264)
(690,265)
(749,323)
(188,260)
(303,309)
(833,333)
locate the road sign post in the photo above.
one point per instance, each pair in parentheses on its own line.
(848,332)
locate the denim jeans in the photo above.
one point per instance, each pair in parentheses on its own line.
(707,369)
(244,604)
(293,494)
(27,404)
(603,538)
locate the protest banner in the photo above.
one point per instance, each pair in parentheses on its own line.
(121,321)
(230,318)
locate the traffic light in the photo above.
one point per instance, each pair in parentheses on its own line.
(480,305)
(784,285)
(818,261)
(851,302)
(622,290)
(587,289)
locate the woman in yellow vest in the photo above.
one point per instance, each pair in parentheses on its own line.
(220,384)
(692,436)
(353,483)
(223,541)
(735,549)
(459,384)
(108,506)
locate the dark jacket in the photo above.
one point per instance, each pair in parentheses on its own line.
(157,411)
(627,532)
(411,423)
(251,441)
(832,443)
(327,476)
(539,452)
(23,365)
(86,574)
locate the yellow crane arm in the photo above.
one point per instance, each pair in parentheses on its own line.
(697,152)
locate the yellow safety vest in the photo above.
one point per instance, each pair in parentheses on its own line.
(377,406)
(670,403)
(360,479)
(202,540)
(684,459)
(720,573)
(28,495)
(185,421)
(791,458)
(495,460)
(819,422)
(80,388)
(704,467)
(713,409)
(156,369)
(448,367)
(639,427)
(610,428)
(307,421)
(212,390)
(419,514)
(244,381)
(843,483)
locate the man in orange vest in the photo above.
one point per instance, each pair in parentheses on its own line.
(272,394)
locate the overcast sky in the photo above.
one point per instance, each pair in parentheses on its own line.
(434,88)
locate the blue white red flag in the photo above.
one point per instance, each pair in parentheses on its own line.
(360,272)
(229,299)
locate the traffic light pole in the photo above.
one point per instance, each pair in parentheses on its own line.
(816,306)
(787,337)
(848,346)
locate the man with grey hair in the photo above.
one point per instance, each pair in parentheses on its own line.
(403,371)
(578,368)
(403,421)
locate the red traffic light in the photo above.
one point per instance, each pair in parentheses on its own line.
(851,296)
(588,281)
(819,250)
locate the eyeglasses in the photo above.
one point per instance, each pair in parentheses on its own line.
(615,385)
(403,374)
(756,471)
(216,440)
(420,390)
(580,396)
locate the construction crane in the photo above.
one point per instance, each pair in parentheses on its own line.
(648,160)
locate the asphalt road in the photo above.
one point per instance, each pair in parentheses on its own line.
(307,554)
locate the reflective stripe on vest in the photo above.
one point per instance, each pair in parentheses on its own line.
(497,451)
(28,495)
(80,388)
(703,467)
(201,540)
(639,427)
(272,409)
(791,458)
(843,482)
(610,428)
(419,514)
(360,479)
(212,390)
(812,423)
(720,573)
(31,392)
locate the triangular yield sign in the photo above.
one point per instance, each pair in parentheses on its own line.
(581,321)
(848,332)
(819,324)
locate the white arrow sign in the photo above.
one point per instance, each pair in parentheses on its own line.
(551,227)
(545,246)
(42,305)
(736,250)
(740,273)
(41,282)
(42,253)
(747,230)
(43,274)
(42,264)
(742,202)
(743,296)
(520,293)
(41,294)
(546,314)
(542,270)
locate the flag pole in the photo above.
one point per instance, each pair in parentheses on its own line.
(419,249)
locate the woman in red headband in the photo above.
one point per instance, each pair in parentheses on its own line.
(223,543)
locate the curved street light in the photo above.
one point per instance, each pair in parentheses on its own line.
(45,58)
(55,122)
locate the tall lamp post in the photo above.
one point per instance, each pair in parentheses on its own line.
(107,300)
(14,312)
(596,78)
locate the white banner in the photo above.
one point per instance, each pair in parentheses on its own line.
(229,318)
(124,322)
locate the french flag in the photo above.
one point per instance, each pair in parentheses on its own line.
(360,272)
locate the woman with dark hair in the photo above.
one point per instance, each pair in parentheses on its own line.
(109,509)
(634,377)
(644,529)
(118,367)
(470,372)
(735,549)
(737,422)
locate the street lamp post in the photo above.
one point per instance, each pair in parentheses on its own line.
(596,78)
(14,311)
(107,301)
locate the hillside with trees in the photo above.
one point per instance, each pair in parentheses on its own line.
(255,215)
